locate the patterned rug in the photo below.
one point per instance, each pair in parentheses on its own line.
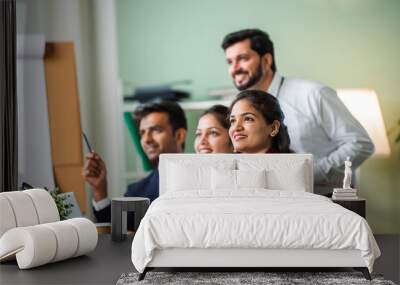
(228,278)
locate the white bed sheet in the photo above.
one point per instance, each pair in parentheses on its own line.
(253,218)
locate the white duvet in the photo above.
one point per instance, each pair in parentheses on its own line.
(250,219)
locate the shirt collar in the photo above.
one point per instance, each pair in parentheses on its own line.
(274,86)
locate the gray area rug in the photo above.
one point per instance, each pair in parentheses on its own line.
(226,278)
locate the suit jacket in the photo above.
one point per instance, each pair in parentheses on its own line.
(147,187)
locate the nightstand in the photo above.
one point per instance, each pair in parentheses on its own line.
(358,206)
(119,208)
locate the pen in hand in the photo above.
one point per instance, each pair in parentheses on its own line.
(87,142)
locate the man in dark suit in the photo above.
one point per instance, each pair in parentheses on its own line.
(162,128)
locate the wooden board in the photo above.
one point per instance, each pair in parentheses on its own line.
(64,119)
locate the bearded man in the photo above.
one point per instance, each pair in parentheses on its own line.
(318,122)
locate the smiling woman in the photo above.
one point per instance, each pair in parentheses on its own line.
(212,131)
(257,124)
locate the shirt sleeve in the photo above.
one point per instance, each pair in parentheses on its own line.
(346,132)
(102,204)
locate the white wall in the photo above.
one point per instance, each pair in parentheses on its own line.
(63,21)
(82,22)
(33,122)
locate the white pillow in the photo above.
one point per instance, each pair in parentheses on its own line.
(183,178)
(189,176)
(281,174)
(251,178)
(222,179)
(293,180)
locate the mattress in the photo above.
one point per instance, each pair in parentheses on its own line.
(250,219)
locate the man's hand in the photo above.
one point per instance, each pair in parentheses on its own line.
(95,173)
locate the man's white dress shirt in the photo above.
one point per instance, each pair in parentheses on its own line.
(319,123)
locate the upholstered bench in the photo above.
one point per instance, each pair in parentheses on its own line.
(31,231)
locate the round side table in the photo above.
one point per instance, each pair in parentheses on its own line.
(119,208)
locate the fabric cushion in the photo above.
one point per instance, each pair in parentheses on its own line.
(223,179)
(187,176)
(7,218)
(292,181)
(251,178)
(23,208)
(45,243)
(45,206)
(236,179)
(281,175)
(67,240)
(26,208)
(182,177)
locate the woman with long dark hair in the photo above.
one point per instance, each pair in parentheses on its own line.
(212,131)
(257,124)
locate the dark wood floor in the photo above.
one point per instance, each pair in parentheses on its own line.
(389,262)
(104,266)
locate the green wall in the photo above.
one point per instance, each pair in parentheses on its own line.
(343,43)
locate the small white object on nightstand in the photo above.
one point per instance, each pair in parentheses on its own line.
(345,193)
(347,174)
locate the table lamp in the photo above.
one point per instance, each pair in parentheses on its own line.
(363,104)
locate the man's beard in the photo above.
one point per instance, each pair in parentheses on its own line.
(154,162)
(153,159)
(252,81)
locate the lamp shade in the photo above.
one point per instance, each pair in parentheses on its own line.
(363,104)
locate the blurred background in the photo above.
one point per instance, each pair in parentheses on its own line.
(121,45)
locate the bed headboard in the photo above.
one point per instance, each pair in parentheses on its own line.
(285,165)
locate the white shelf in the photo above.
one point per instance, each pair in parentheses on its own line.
(186,105)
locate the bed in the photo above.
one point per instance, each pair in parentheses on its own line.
(247,210)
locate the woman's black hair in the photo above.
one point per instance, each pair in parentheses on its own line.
(270,109)
(221,113)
